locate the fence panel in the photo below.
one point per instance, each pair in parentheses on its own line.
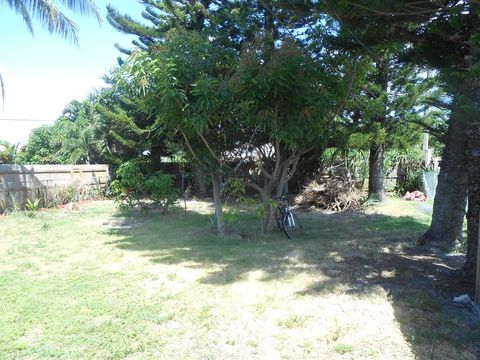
(49,183)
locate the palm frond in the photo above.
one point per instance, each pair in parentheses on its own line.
(48,14)
(20,8)
(84,7)
(2,90)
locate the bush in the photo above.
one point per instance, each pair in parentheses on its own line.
(159,188)
(132,188)
(410,166)
(412,181)
(127,188)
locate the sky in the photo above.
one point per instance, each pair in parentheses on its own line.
(43,73)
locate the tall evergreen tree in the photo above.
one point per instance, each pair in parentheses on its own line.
(228,23)
(387,99)
(444,35)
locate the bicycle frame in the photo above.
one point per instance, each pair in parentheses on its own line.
(286,219)
(290,218)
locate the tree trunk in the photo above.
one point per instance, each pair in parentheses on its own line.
(217,199)
(201,182)
(376,173)
(268,220)
(473,155)
(451,193)
(156,152)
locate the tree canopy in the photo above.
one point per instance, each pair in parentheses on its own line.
(251,90)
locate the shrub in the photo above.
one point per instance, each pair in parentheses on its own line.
(127,188)
(410,167)
(159,188)
(32,205)
(132,188)
(411,181)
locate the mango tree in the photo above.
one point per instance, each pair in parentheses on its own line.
(184,82)
(291,101)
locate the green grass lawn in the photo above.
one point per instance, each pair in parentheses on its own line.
(105,284)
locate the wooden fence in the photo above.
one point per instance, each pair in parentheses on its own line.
(51,184)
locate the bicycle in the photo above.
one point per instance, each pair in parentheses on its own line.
(286,219)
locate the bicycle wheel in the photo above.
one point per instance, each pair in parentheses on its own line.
(291,225)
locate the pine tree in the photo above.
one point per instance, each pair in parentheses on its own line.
(228,24)
(387,98)
(443,35)
(160,17)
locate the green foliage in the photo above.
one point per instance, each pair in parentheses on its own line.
(391,107)
(52,18)
(232,215)
(259,207)
(235,188)
(159,188)
(128,187)
(15,207)
(8,152)
(349,163)
(104,128)
(132,187)
(410,166)
(32,205)
(229,24)
(412,181)
(289,97)
(343,348)
(184,82)
(70,140)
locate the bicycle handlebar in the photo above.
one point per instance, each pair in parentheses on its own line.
(281,198)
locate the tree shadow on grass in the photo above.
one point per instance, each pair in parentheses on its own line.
(362,253)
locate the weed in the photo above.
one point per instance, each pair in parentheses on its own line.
(253,343)
(45,226)
(342,348)
(371,352)
(171,276)
(293,321)
(336,333)
(259,308)
(424,301)
(15,206)
(231,342)
(204,313)
(163,318)
(32,206)
(307,346)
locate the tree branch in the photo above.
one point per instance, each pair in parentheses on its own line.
(187,142)
(209,148)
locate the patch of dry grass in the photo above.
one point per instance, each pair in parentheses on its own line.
(106,284)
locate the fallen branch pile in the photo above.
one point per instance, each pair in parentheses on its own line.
(335,194)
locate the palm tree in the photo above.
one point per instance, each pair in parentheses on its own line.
(8,152)
(2,90)
(51,18)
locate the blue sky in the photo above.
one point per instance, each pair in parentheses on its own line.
(42,73)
